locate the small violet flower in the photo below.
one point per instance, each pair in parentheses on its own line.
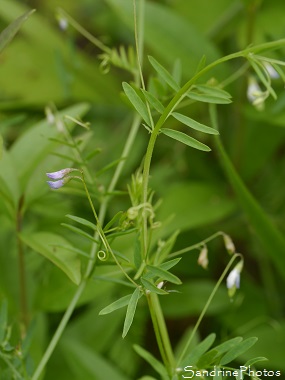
(59,178)
(60,173)
(56,184)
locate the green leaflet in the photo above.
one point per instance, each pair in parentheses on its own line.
(198,351)
(151,287)
(185,139)
(165,75)
(8,34)
(164,274)
(131,311)
(194,124)
(48,245)
(153,101)
(238,350)
(118,304)
(156,364)
(82,221)
(137,102)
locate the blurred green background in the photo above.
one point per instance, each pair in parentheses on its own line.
(45,65)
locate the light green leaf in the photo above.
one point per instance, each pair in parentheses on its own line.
(79,231)
(185,139)
(153,101)
(151,287)
(113,220)
(8,34)
(226,346)
(169,264)
(83,221)
(206,98)
(194,124)
(165,75)
(163,252)
(215,91)
(156,364)
(164,274)
(118,304)
(238,350)
(137,102)
(252,361)
(131,311)
(46,243)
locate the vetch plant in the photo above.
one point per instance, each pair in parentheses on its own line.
(127,245)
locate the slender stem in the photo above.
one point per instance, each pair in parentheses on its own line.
(22,274)
(195,246)
(182,355)
(161,332)
(60,329)
(101,216)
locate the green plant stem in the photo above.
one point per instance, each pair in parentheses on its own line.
(60,329)
(101,216)
(177,99)
(22,269)
(182,355)
(195,246)
(161,332)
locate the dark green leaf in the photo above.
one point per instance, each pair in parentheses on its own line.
(185,139)
(156,364)
(7,34)
(131,311)
(165,75)
(238,350)
(137,102)
(194,124)
(121,302)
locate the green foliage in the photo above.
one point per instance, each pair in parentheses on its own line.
(143,208)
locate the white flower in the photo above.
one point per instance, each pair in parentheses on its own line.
(271,71)
(233,279)
(63,23)
(255,95)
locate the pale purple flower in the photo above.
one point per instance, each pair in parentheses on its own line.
(56,184)
(60,173)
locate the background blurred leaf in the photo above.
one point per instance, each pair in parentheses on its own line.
(8,34)
(45,244)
